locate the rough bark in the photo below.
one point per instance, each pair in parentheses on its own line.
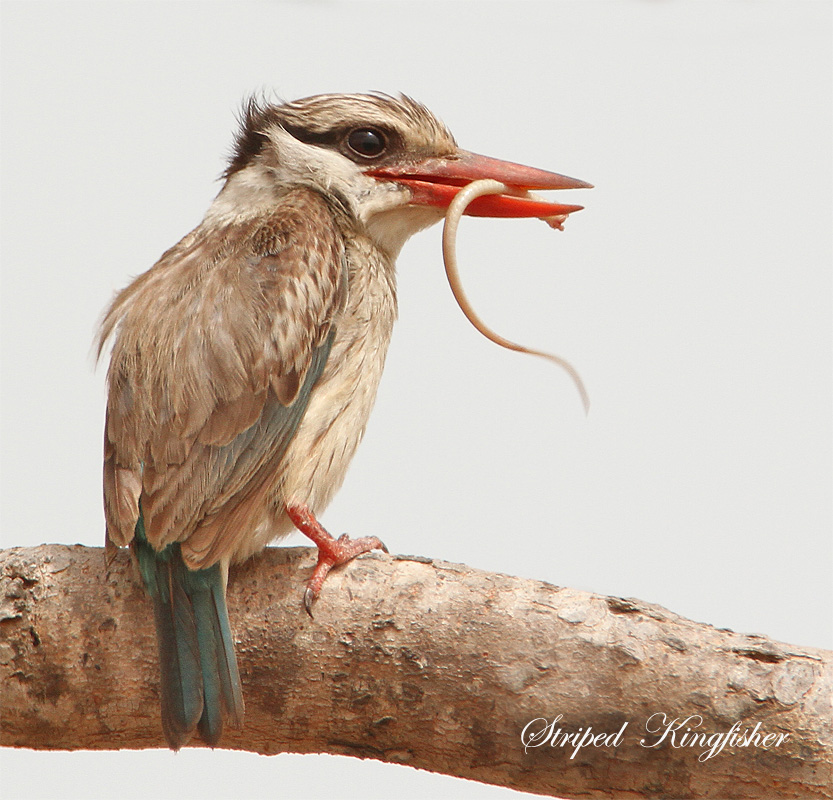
(425,663)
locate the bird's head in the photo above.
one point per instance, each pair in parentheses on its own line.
(387,162)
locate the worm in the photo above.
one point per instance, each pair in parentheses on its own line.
(452,220)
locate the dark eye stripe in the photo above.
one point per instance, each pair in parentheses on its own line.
(361,149)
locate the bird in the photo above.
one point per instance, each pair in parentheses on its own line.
(244,364)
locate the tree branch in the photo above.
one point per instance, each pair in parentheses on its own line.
(430,664)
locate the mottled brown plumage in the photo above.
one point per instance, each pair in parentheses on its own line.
(225,324)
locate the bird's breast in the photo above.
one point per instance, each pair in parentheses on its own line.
(317,459)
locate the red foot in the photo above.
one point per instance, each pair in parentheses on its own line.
(331,552)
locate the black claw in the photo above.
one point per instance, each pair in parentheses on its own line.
(309,599)
(384,547)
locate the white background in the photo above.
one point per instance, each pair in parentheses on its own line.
(693,294)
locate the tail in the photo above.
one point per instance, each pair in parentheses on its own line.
(200,683)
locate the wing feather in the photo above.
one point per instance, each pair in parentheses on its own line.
(216,350)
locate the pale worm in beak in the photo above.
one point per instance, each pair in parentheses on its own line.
(456,209)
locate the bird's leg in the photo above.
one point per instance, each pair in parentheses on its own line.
(331,552)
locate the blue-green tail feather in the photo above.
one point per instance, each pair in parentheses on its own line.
(200,683)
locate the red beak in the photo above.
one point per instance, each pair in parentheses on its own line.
(435,182)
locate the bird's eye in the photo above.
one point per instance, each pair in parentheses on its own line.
(366,142)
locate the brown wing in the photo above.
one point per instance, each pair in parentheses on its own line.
(216,351)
